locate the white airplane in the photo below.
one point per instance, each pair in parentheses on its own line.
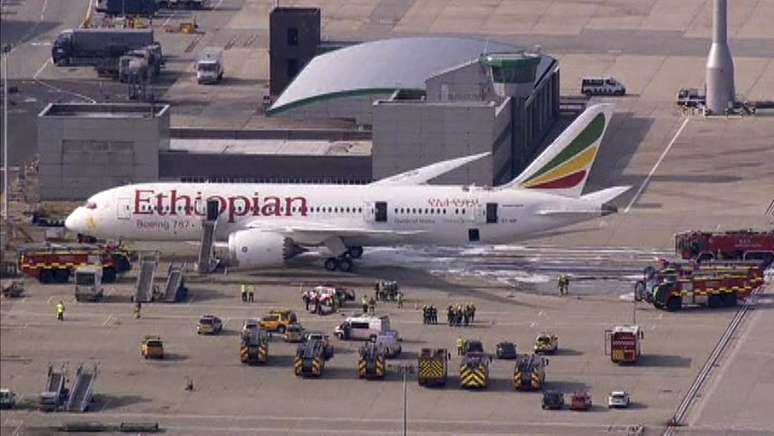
(265,224)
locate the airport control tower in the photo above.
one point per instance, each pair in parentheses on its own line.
(720,65)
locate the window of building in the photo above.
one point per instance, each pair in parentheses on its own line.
(292,36)
(292,68)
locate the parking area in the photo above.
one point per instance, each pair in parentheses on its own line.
(230,397)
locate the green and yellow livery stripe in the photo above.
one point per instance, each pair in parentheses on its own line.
(570,166)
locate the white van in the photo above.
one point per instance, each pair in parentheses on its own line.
(363,327)
(602,86)
(209,67)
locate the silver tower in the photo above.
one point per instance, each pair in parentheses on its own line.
(720,66)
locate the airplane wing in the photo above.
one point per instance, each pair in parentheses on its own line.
(317,233)
(422,175)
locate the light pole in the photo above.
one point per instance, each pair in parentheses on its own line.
(5,52)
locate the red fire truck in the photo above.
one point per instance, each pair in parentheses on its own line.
(739,244)
(712,290)
(672,270)
(54,263)
(623,343)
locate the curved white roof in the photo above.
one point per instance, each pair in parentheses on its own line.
(384,66)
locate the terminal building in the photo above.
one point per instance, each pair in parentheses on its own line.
(427,99)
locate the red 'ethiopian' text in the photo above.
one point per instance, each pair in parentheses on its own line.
(148,202)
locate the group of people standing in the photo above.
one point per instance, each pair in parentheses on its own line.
(461,315)
(429,314)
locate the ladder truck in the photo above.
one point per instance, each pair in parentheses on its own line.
(474,370)
(254,348)
(529,372)
(310,358)
(371,361)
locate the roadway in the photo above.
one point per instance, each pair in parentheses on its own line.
(738,397)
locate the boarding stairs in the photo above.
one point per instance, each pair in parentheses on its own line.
(175,289)
(149,263)
(51,398)
(207,261)
(82,390)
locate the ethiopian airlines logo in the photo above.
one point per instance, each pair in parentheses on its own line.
(170,203)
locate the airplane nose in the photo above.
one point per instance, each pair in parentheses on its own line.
(74,221)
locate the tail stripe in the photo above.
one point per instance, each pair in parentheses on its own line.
(566,175)
(572,161)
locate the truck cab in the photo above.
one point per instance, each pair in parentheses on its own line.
(88,283)
(209,66)
(61,48)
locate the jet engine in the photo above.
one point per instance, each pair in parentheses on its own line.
(252,249)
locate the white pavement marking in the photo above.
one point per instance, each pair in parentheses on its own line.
(107,320)
(655,167)
(104,406)
(54,88)
(43,10)
(345,420)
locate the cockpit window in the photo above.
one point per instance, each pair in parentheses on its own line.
(91,205)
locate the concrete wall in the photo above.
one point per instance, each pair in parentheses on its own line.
(468,82)
(409,135)
(81,155)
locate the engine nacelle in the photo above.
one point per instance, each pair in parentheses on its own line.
(252,249)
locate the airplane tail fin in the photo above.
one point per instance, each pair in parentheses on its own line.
(564,166)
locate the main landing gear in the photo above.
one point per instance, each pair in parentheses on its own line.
(355,252)
(344,263)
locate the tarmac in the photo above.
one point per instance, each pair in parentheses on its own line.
(233,398)
(686,172)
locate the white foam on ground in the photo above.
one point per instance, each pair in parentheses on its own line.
(424,259)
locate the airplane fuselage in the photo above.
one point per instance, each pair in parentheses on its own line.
(444,215)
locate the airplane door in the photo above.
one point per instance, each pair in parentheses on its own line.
(380,212)
(491,213)
(124,210)
(375,212)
